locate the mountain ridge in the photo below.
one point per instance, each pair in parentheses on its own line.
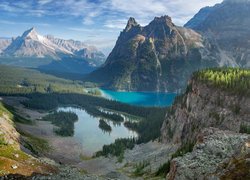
(156,57)
(33,45)
(227,26)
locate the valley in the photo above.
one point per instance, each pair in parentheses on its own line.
(31,105)
(127,150)
(141,95)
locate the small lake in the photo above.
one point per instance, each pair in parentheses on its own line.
(140,98)
(88,133)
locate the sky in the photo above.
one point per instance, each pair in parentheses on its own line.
(96,22)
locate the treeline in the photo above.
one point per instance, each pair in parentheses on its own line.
(235,80)
(148,128)
(96,112)
(53,100)
(117,148)
(152,117)
(16,80)
(64,121)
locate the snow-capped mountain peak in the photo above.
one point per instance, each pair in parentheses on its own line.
(31,33)
(32,44)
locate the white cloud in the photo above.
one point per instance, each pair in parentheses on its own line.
(143,10)
(101,42)
(180,10)
(103,17)
(42,2)
(22,23)
(116,24)
(137,7)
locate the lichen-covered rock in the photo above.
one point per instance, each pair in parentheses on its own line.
(213,157)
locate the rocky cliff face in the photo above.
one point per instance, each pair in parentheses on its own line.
(204,106)
(157,57)
(214,118)
(227,25)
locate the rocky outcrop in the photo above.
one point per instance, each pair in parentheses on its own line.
(204,106)
(158,57)
(213,117)
(217,155)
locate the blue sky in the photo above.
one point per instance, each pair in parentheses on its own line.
(96,22)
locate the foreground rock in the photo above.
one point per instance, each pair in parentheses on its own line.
(217,154)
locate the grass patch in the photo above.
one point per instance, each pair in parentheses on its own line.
(244,128)
(139,168)
(35,145)
(8,151)
(2,140)
(4,110)
(163,169)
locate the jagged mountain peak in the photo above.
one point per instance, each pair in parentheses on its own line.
(131,23)
(31,33)
(143,57)
(164,19)
(32,44)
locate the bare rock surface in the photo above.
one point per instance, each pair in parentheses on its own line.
(210,156)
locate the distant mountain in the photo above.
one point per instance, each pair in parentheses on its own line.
(31,44)
(199,17)
(34,50)
(227,25)
(80,49)
(158,57)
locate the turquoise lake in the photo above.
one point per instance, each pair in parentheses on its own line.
(140,98)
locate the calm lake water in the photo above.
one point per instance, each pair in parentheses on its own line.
(88,133)
(140,98)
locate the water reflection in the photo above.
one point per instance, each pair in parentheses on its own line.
(88,133)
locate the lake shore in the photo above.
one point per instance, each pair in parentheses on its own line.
(67,151)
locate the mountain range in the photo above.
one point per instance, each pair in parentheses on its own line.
(32,47)
(161,56)
(157,57)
